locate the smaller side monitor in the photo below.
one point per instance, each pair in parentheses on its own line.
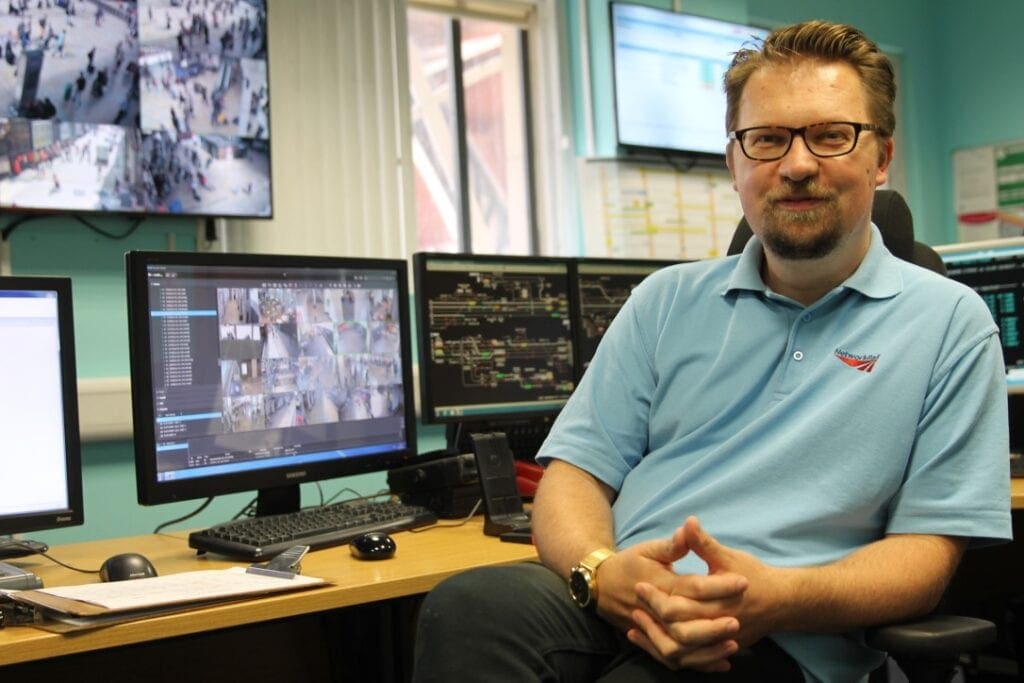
(40,449)
(995,270)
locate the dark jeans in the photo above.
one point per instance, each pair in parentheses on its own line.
(517,623)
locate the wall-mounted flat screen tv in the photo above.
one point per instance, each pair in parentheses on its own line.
(668,70)
(135,106)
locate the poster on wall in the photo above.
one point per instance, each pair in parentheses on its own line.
(636,210)
(988,183)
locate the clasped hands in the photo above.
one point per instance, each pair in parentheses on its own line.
(691,621)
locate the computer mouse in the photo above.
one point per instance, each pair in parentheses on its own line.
(126,566)
(373,545)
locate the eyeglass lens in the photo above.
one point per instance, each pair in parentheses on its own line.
(823,139)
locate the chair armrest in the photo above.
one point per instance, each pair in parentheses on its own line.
(935,636)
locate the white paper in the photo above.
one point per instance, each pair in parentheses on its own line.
(180,588)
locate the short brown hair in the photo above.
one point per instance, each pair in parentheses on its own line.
(818,40)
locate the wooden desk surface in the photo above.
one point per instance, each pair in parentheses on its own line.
(423,560)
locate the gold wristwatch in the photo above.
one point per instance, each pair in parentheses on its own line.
(583,577)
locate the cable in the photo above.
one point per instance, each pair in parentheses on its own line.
(182,519)
(8,229)
(109,235)
(14,224)
(53,559)
(18,544)
(359,497)
(249,510)
(461,522)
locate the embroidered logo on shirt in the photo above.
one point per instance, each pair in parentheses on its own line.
(857,361)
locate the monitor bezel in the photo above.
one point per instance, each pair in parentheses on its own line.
(153,492)
(428,410)
(632,149)
(74,513)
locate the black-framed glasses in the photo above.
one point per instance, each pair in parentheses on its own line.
(830,139)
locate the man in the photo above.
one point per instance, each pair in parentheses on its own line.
(769,452)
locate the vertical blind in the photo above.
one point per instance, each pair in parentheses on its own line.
(340,148)
(341,154)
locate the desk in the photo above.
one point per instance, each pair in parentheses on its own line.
(423,560)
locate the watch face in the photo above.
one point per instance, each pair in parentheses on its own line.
(579,586)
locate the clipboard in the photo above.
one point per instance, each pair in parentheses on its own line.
(101,604)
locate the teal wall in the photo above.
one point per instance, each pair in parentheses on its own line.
(961,86)
(982,58)
(64,246)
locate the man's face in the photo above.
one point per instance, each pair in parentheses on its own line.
(803,206)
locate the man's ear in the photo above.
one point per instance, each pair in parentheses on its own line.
(885,155)
(729,149)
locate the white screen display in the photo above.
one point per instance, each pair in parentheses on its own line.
(32,455)
(668,77)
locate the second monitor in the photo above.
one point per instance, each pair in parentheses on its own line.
(504,340)
(600,288)
(495,336)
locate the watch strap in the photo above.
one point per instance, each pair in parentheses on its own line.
(593,560)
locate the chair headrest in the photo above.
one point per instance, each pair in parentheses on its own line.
(889,212)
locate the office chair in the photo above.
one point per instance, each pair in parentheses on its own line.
(929,648)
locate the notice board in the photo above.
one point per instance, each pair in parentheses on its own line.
(988,182)
(650,210)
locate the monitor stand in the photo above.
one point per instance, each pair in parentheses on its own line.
(20,547)
(278,500)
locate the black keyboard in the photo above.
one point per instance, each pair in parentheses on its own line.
(258,538)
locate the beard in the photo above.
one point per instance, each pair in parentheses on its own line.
(801,235)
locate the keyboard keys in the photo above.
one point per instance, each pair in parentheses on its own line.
(263,537)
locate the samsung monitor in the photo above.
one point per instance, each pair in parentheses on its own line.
(40,449)
(260,372)
(495,336)
(668,70)
(600,286)
(995,269)
(135,106)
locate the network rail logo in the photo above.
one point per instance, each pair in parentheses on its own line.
(857,361)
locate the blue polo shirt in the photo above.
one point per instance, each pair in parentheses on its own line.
(797,433)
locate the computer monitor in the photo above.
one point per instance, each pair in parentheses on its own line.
(600,286)
(995,269)
(40,448)
(495,336)
(668,69)
(260,372)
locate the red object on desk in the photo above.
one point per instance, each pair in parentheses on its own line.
(528,475)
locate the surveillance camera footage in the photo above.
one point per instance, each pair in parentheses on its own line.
(135,106)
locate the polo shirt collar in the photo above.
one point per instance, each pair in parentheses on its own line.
(877,277)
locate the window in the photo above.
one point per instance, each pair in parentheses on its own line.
(470,134)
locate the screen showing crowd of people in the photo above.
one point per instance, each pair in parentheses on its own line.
(141,106)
